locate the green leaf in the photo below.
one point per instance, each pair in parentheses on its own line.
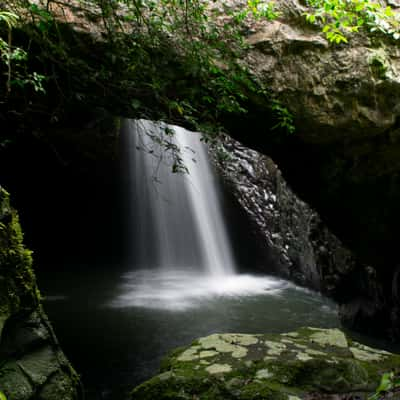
(386,382)
(389,12)
(2,396)
(135,103)
(10,19)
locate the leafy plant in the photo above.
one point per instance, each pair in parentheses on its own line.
(340,18)
(170,60)
(257,9)
(389,381)
(222,154)
(2,396)
(6,52)
(17,57)
(284,116)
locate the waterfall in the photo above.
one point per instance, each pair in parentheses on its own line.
(179,252)
(176,220)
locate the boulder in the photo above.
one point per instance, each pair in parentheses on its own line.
(292,366)
(297,244)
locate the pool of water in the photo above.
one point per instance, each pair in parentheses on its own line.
(116,325)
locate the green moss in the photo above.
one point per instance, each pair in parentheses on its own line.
(310,360)
(378,64)
(257,391)
(18,290)
(37,372)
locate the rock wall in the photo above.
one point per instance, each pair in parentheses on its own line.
(343,158)
(32,365)
(299,245)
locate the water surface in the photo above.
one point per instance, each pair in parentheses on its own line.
(116,325)
(178,280)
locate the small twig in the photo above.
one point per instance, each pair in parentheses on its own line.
(9,61)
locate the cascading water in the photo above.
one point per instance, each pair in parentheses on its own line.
(177,218)
(180,253)
(181,281)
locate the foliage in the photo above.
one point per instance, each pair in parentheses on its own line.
(222,154)
(15,58)
(257,9)
(284,117)
(2,396)
(170,60)
(389,382)
(173,60)
(136,29)
(339,18)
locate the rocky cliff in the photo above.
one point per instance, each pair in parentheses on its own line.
(298,245)
(343,159)
(344,100)
(32,365)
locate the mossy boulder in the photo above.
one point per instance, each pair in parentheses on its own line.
(288,366)
(32,365)
(18,292)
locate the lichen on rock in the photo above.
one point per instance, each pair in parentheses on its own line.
(332,337)
(321,361)
(229,343)
(219,368)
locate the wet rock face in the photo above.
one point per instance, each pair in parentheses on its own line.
(32,363)
(284,223)
(277,367)
(299,246)
(343,159)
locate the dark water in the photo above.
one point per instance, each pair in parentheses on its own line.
(116,325)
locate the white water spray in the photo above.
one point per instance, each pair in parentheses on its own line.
(180,250)
(177,218)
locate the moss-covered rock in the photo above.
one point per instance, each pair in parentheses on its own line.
(32,365)
(269,366)
(18,290)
